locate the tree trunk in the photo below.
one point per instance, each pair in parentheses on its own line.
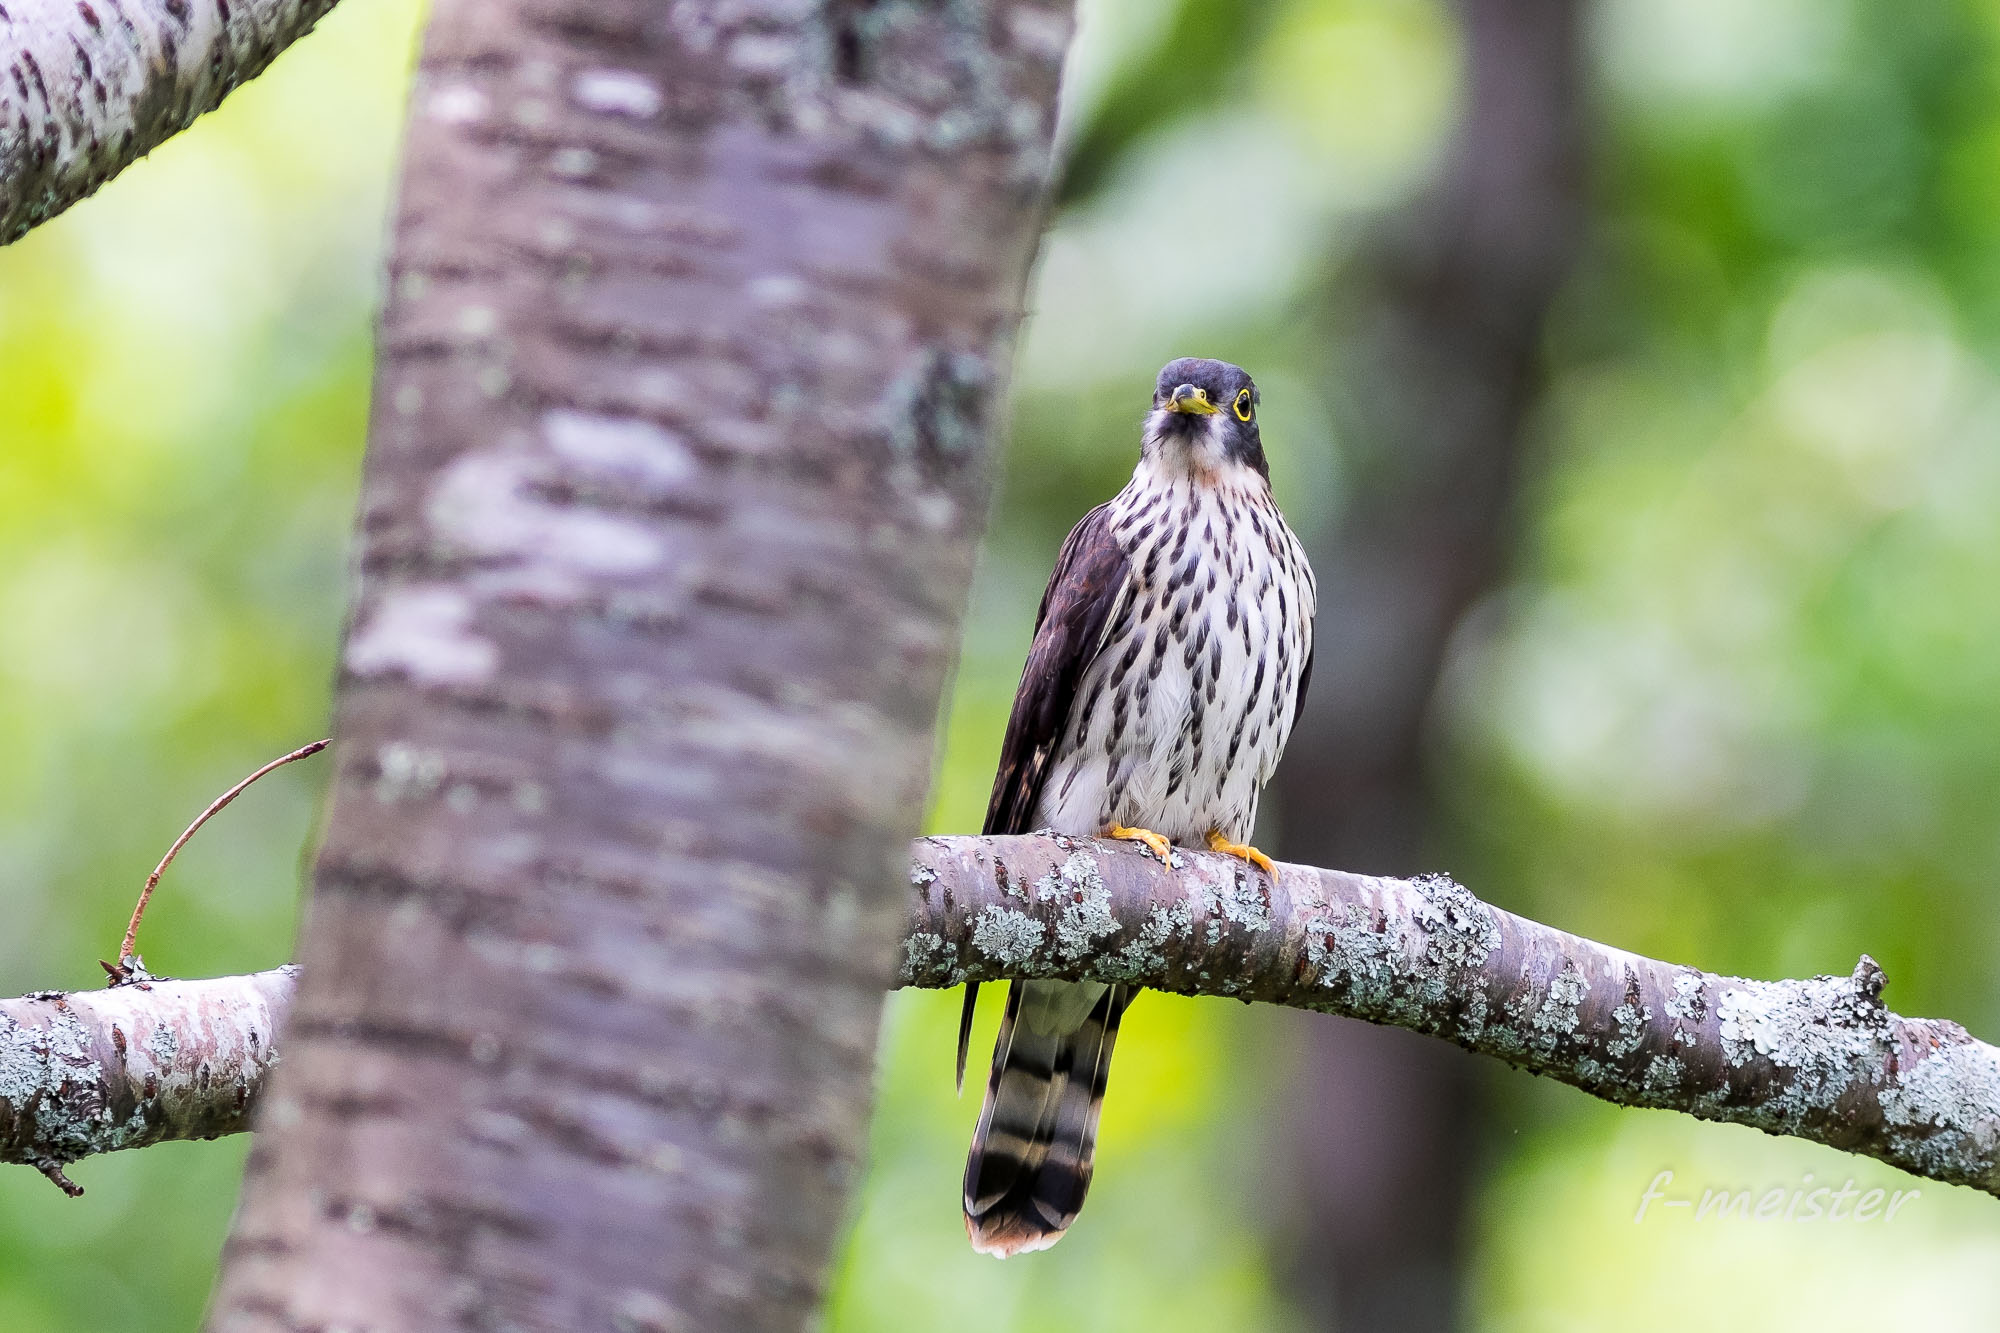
(1440,360)
(697,320)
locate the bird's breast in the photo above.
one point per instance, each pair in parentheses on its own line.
(1183,713)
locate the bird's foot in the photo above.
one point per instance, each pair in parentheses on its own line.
(1218,843)
(1161,847)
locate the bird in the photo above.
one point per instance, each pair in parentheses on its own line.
(1170,656)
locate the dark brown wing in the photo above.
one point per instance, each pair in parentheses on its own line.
(1305,679)
(1077,610)
(1083,592)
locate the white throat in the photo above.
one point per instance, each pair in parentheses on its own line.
(1173,448)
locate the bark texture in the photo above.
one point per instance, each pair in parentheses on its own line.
(1437,345)
(96,1071)
(1821,1059)
(88,87)
(698,317)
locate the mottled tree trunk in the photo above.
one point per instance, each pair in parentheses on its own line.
(697,320)
(1439,358)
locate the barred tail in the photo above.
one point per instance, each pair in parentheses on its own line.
(1030,1162)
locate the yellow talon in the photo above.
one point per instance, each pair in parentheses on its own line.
(1161,847)
(1218,843)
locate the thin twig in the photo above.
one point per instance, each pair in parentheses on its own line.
(53,1169)
(127,968)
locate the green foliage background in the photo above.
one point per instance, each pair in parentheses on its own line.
(1737,705)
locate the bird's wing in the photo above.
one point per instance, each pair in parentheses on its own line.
(1091,581)
(1305,679)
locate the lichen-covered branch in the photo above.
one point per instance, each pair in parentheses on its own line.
(1820,1059)
(94,1071)
(88,87)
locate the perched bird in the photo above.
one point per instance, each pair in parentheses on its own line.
(1170,654)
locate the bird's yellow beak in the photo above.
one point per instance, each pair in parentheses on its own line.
(1191,400)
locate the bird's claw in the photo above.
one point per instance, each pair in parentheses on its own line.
(1161,847)
(1218,843)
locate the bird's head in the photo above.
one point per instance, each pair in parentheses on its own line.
(1205,418)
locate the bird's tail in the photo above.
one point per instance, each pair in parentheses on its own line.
(1030,1163)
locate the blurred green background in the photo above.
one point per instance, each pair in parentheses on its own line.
(1735,702)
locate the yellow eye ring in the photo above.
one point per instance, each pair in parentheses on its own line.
(1243,405)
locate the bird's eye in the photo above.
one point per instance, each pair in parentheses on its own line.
(1243,405)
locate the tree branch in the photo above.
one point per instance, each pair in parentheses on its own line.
(95,1071)
(88,87)
(1818,1059)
